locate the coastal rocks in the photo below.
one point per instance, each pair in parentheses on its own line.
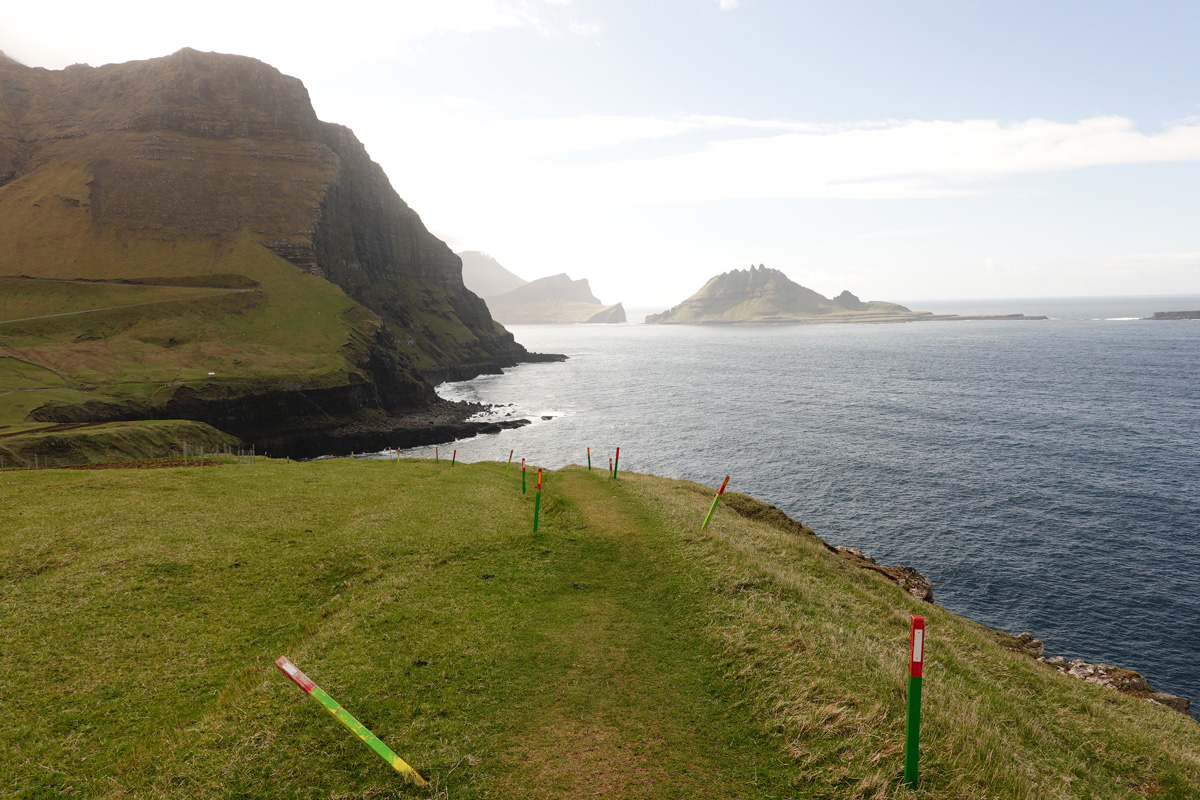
(1122,680)
(1113,677)
(906,578)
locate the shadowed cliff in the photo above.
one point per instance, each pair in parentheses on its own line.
(212,170)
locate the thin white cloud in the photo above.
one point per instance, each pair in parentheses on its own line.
(361,29)
(729,5)
(902,233)
(758,159)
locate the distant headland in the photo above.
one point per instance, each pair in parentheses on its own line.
(764,295)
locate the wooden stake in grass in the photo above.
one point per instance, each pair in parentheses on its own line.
(716,500)
(509,464)
(537,501)
(617,464)
(589,459)
(522,476)
(912,728)
(343,716)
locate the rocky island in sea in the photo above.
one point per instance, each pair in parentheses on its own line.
(1167,315)
(185,240)
(555,299)
(764,295)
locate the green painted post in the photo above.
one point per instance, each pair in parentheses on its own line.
(435,455)
(453,457)
(589,459)
(716,500)
(537,501)
(509,464)
(912,728)
(346,718)
(617,464)
(522,476)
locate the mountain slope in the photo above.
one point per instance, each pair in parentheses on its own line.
(212,170)
(485,276)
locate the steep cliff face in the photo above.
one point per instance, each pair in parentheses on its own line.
(761,294)
(199,166)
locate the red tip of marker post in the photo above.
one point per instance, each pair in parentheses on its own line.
(916,646)
(539,478)
(295,675)
(724,483)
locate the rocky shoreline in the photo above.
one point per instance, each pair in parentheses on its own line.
(920,587)
(444,422)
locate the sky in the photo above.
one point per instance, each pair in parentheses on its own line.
(925,149)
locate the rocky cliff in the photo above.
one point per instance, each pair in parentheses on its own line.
(200,169)
(553,299)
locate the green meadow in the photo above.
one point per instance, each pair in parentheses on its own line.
(618,652)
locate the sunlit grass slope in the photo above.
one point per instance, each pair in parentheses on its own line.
(619,652)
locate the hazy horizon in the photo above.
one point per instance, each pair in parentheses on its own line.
(924,150)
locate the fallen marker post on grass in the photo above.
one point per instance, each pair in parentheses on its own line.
(537,501)
(346,718)
(716,500)
(509,464)
(912,727)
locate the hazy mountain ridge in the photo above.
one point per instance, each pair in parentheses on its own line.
(555,299)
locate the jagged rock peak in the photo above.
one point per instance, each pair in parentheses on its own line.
(849,301)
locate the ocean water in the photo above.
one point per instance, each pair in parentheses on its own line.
(1044,475)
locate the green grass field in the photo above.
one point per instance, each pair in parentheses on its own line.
(619,652)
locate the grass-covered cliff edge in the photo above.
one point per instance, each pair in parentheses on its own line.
(184,239)
(617,652)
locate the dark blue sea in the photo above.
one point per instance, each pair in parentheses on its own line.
(1044,475)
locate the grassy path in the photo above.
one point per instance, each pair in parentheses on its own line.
(616,653)
(631,706)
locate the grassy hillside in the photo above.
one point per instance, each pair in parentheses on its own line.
(268,249)
(618,652)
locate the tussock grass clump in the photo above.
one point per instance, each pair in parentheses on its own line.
(618,652)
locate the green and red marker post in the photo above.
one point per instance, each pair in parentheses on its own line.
(912,728)
(346,718)
(716,500)
(509,464)
(537,501)
(589,459)
(616,464)
(453,457)
(522,476)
